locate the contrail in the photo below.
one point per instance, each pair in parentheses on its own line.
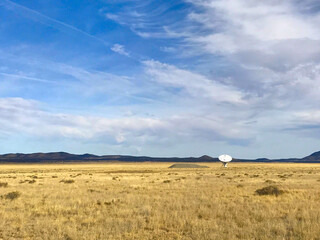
(12,5)
(26,77)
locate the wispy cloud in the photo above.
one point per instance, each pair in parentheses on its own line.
(194,84)
(148,19)
(119,49)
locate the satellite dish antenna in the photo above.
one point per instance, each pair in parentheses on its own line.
(224,158)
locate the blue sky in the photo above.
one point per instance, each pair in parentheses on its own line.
(160,78)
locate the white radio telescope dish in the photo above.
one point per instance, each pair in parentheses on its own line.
(224,158)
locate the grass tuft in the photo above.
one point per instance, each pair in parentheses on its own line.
(270,190)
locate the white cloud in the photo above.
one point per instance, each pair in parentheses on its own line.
(168,49)
(271,47)
(262,20)
(252,32)
(21,116)
(119,49)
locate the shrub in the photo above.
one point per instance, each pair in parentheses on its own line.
(3,184)
(270,190)
(67,181)
(270,181)
(12,195)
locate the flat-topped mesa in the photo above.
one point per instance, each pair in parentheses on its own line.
(187,165)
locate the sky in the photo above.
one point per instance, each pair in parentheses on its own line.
(160,78)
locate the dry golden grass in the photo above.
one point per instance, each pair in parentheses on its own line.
(151,201)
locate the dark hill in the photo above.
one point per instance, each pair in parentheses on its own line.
(67,157)
(206,158)
(314,157)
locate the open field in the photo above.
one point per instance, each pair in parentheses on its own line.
(151,201)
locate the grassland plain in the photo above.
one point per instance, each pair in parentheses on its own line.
(152,201)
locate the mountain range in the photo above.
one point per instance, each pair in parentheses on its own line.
(54,157)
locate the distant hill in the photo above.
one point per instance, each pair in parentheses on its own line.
(54,157)
(67,157)
(314,157)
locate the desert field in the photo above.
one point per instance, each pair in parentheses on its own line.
(152,201)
